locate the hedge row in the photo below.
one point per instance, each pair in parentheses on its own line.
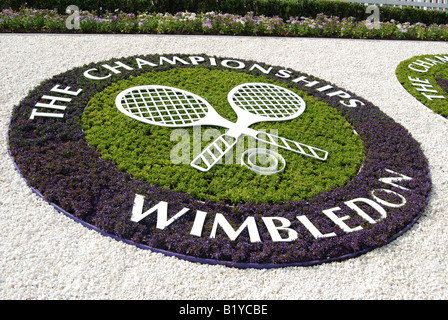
(210,23)
(282,8)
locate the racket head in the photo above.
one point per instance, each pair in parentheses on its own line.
(163,106)
(256,102)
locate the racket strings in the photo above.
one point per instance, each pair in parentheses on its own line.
(164,106)
(266,100)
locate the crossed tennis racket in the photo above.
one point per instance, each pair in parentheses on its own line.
(252,102)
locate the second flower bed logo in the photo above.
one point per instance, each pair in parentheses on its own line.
(424,77)
(97,143)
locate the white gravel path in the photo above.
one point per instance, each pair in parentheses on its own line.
(45,255)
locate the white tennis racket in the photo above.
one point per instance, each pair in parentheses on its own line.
(172,107)
(258,102)
(168,107)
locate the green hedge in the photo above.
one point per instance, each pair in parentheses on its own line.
(282,8)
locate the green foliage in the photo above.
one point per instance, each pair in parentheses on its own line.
(282,8)
(33,20)
(146,151)
(438,71)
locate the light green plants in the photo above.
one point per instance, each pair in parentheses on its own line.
(146,150)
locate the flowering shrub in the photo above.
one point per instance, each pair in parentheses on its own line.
(282,8)
(32,20)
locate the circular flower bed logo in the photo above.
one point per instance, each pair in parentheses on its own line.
(426,78)
(219,160)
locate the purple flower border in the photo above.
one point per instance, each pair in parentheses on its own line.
(51,156)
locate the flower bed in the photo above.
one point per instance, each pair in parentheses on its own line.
(425,77)
(54,157)
(211,23)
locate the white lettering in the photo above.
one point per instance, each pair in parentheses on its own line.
(443,59)
(311,228)
(434,62)
(308,83)
(418,79)
(162,212)
(386,203)
(274,230)
(198,223)
(410,66)
(227,64)
(392,180)
(340,93)
(352,205)
(340,220)
(431,96)
(423,64)
(352,103)
(324,88)
(141,63)
(35,113)
(195,60)
(89,76)
(285,74)
(187,310)
(424,86)
(249,223)
(175,58)
(65,91)
(118,64)
(52,104)
(260,68)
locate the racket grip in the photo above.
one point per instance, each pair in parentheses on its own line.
(293,146)
(211,154)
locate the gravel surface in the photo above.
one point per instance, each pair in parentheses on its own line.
(45,255)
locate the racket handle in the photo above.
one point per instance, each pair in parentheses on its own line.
(213,153)
(292,145)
